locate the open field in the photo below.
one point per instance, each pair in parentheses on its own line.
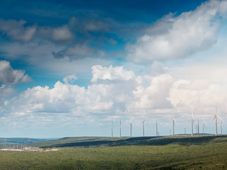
(206,154)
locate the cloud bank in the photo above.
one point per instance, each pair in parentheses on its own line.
(116,92)
(180,36)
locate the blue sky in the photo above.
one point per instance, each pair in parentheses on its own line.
(120,18)
(70,68)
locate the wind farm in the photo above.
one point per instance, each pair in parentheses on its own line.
(113,85)
(129,145)
(157,152)
(123,149)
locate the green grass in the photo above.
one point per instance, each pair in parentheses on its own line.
(126,141)
(210,155)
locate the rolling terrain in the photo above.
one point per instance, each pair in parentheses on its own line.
(178,152)
(124,141)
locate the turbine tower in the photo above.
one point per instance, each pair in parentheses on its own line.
(198,127)
(143,128)
(221,127)
(192,123)
(130,129)
(203,128)
(216,117)
(112,129)
(173,127)
(156,128)
(120,128)
(221,123)
(216,124)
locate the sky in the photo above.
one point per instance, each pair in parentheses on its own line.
(75,68)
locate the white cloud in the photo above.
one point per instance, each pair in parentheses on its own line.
(180,36)
(155,95)
(58,99)
(6,93)
(62,98)
(114,96)
(10,76)
(116,91)
(70,79)
(198,96)
(110,73)
(98,98)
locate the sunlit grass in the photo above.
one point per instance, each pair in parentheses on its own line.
(212,155)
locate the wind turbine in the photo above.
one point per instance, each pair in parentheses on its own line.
(193,118)
(216,118)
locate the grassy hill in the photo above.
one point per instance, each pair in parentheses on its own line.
(124,141)
(180,152)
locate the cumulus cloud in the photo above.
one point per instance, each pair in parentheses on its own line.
(10,76)
(111,73)
(115,92)
(155,95)
(58,99)
(179,36)
(64,97)
(198,96)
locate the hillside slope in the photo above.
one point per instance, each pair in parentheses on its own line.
(209,154)
(123,141)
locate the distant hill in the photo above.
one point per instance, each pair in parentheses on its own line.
(20,141)
(123,141)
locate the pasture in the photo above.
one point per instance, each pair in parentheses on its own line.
(210,154)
